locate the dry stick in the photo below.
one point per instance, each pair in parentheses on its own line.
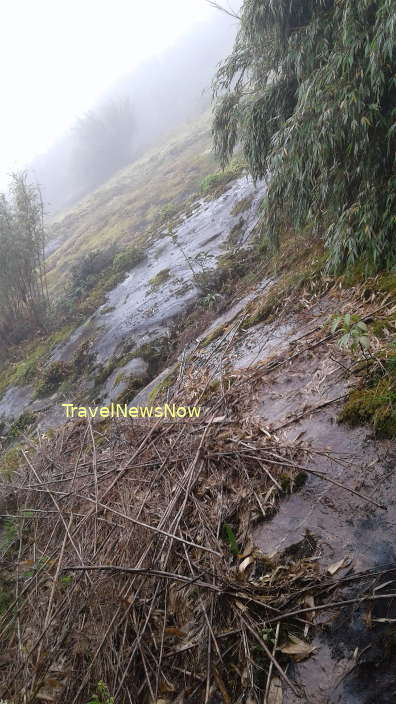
(281,362)
(50,493)
(47,619)
(136,643)
(175,527)
(154,529)
(308,412)
(321,475)
(121,472)
(330,605)
(270,656)
(267,688)
(17,585)
(162,464)
(327,479)
(94,468)
(270,476)
(162,643)
(103,641)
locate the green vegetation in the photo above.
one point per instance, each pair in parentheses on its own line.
(9,461)
(128,259)
(131,208)
(23,423)
(374,400)
(23,289)
(9,533)
(355,333)
(104,139)
(374,403)
(214,335)
(102,695)
(242,206)
(163,386)
(230,538)
(304,271)
(215,184)
(53,376)
(159,278)
(30,356)
(309,91)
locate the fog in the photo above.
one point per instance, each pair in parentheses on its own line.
(170,85)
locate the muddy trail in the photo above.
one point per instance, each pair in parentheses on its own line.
(292,509)
(246,556)
(355,656)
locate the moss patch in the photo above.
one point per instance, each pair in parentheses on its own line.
(163,386)
(10,461)
(159,278)
(25,421)
(375,405)
(53,376)
(216,183)
(214,335)
(135,383)
(242,205)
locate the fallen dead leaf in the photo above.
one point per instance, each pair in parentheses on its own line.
(275,694)
(247,551)
(297,648)
(332,569)
(245,564)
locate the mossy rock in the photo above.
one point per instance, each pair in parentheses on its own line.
(159,278)
(375,405)
(53,376)
(214,335)
(135,383)
(242,205)
(162,386)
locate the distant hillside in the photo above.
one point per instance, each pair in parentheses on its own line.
(135,199)
(164,92)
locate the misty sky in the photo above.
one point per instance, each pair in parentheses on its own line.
(58,56)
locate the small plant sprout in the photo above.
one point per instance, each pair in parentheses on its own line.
(355,333)
(102,695)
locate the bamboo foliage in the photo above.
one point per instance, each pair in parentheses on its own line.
(309,91)
(23,292)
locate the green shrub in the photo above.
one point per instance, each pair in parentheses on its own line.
(128,259)
(309,92)
(159,278)
(21,424)
(53,376)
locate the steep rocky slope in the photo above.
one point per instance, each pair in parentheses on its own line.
(246,555)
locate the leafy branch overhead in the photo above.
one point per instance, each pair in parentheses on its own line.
(309,91)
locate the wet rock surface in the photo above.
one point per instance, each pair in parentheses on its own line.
(141,308)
